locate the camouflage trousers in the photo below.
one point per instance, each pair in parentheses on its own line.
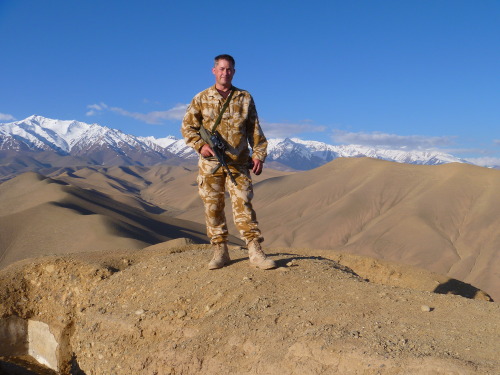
(212,187)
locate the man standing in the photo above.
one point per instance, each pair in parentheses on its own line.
(238,127)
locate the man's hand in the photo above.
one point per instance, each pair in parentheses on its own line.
(257,166)
(206,151)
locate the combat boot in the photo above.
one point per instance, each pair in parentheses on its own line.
(258,258)
(221,256)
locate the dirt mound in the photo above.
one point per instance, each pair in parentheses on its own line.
(160,311)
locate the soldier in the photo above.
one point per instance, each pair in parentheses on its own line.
(239,127)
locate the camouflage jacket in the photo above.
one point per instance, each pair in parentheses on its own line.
(239,125)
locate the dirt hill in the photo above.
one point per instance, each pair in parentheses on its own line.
(442,218)
(41,216)
(160,311)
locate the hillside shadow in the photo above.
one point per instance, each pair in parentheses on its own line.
(131,223)
(74,207)
(129,171)
(459,288)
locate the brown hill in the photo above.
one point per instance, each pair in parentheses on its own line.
(441,218)
(41,216)
(160,311)
(172,188)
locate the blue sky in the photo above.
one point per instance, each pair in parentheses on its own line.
(407,73)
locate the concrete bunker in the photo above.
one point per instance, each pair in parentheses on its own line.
(21,337)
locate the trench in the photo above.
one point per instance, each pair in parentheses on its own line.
(33,347)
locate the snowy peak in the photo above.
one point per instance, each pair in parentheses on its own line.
(100,145)
(173,145)
(40,133)
(93,143)
(34,135)
(300,153)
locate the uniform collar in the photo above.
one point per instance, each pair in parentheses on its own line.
(212,91)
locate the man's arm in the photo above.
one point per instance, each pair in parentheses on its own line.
(190,128)
(257,139)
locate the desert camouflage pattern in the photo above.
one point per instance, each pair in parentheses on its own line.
(239,125)
(240,128)
(212,189)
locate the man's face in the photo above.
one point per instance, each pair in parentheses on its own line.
(223,72)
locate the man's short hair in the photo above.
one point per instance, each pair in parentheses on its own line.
(224,57)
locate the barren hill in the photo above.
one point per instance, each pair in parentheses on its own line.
(441,218)
(41,216)
(160,311)
(118,305)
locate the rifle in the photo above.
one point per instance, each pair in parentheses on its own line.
(216,143)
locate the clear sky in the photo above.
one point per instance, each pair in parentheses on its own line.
(400,73)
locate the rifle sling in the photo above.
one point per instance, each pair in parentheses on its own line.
(219,118)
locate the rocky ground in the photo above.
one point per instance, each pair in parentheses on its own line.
(160,311)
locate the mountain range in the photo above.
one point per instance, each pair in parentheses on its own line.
(37,142)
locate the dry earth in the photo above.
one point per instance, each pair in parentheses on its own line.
(442,218)
(160,311)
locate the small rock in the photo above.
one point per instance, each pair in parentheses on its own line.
(355,334)
(50,268)
(425,308)
(181,314)
(139,312)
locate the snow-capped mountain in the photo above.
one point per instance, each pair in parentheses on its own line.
(299,154)
(173,145)
(98,144)
(91,144)
(302,154)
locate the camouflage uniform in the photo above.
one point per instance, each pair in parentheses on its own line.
(240,128)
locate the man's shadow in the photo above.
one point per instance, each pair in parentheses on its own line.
(284,262)
(451,286)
